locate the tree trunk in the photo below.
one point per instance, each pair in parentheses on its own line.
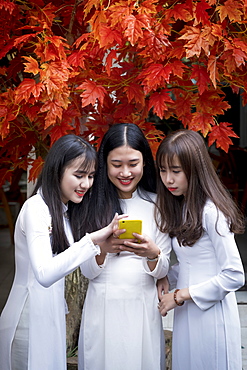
(75,291)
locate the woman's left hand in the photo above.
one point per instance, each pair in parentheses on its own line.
(166,303)
(144,248)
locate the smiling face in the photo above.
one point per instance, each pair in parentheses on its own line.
(174,178)
(125,169)
(76,181)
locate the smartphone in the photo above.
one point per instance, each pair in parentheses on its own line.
(131,226)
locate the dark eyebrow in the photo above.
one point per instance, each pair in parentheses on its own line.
(84,172)
(131,160)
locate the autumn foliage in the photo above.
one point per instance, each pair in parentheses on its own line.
(80,66)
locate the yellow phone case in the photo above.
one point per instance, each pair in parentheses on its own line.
(131,226)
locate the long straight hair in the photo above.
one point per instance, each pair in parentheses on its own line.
(182,216)
(104,201)
(61,155)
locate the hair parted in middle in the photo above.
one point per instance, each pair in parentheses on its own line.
(182,216)
(104,201)
(62,153)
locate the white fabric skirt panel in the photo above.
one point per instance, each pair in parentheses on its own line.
(121,325)
(19,349)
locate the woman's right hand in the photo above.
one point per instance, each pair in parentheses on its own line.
(107,237)
(162,287)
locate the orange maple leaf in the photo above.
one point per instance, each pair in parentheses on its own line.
(221,135)
(54,111)
(107,36)
(147,7)
(5,124)
(54,48)
(198,39)
(46,15)
(229,61)
(201,122)
(22,39)
(231,10)
(179,12)
(217,31)
(92,92)
(134,26)
(27,87)
(89,5)
(118,12)
(212,69)
(32,66)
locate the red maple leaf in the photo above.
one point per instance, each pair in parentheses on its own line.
(221,135)
(36,169)
(8,6)
(158,101)
(60,130)
(92,93)
(200,74)
(110,57)
(201,122)
(201,14)
(154,76)
(135,92)
(77,59)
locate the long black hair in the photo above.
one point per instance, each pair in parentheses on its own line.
(63,152)
(182,216)
(104,201)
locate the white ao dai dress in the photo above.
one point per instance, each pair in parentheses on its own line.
(206,333)
(36,304)
(121,326)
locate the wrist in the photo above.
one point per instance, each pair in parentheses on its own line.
(93,237)
(177,297)
(153,258)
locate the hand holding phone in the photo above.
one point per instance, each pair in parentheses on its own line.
(131,226)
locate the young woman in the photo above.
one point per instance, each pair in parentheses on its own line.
(49,245)
(200,216)
(121,326)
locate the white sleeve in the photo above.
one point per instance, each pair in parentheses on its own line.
(163,241)
(48,268)
(230,276)
(90,268)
